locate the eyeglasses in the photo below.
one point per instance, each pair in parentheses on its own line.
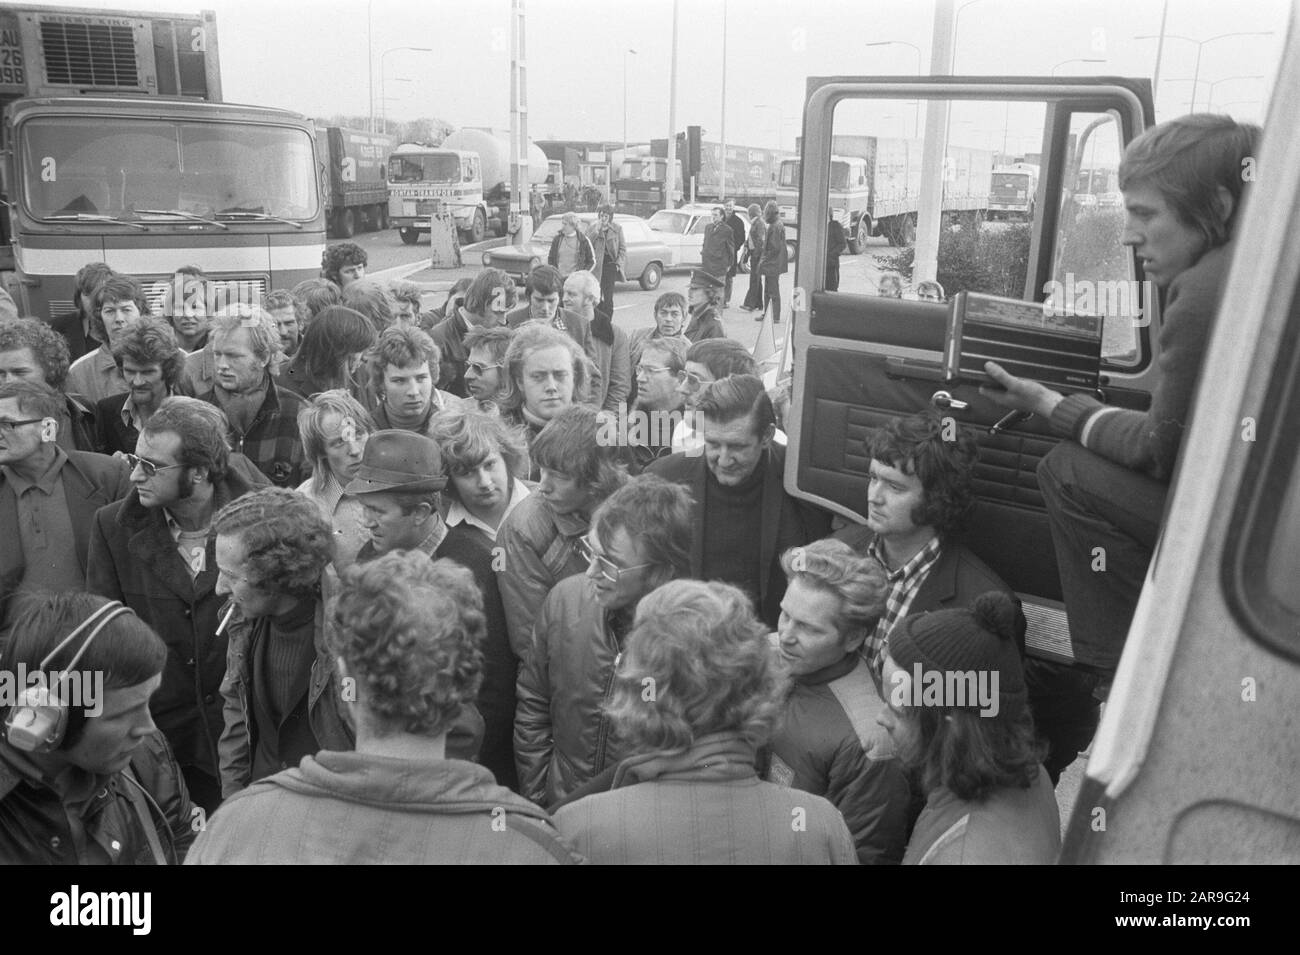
(692,381)
(651,369)
(608,569)
(9,427)
(479,367)
(149,468)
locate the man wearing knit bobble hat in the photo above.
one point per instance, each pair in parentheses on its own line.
(958,715)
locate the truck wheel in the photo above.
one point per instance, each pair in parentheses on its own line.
(478,231)
(791,250)
(906,230)
(347,224)
(651,276)
(409,236)
(858,244)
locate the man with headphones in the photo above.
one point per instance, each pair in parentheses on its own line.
(85,776)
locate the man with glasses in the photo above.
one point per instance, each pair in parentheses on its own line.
(155,552)
(485,378)
(640,538)
(48,496)
(707,361)
(30,350)
(659,401)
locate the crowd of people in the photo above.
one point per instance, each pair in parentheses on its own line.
(343,580)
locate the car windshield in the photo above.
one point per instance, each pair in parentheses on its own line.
(112,167)
(671,222)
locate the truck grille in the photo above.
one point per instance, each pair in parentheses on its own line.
(89,54)
(247,291)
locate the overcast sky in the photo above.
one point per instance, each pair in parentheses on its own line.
(312,55)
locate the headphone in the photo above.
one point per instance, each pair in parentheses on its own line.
(38,721)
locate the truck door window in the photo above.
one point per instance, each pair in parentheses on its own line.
(877,155)
(1092,271)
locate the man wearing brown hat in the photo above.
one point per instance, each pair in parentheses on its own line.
(399,485)
(959,714)
(703,296)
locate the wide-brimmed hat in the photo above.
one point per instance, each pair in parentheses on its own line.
(399,461)
(703,279)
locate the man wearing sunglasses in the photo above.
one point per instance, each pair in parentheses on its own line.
(48,496)
(485,377)
(155,552)
(640,538)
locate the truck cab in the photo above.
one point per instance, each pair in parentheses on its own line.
(849,199)
(422,179)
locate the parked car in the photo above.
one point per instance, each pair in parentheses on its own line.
(682,230)
(647,254)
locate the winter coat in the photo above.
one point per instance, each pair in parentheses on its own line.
(110,825)
(89,482)
(607,243)
(358,809)
(586,256)
(134,559)
(1007,827)
(562,736)
(704,806)
(829,744)
(538,549)
(776,258)
(449,335)
(718,254)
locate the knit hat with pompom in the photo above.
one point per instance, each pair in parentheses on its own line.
(980,638)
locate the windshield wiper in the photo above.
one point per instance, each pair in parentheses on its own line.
(91,217)
(260,216)
(184,215)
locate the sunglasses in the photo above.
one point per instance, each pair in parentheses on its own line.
(608,569)
(148,467)
(479,367)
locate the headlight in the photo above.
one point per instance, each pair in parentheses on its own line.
(487,260)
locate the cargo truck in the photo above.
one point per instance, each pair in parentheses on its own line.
(132,159)
(1012,193)
(469,174)
(875,187)
(357,197)
(751,174)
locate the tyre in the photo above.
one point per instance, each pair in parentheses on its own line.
(347,226)
(906,231)
(409,236)
(791,250)
(651,276)
(858,244)
(478,230)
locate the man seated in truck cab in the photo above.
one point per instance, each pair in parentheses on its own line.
(918,499)
(1105,487)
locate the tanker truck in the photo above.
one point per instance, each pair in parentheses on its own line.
(469,174)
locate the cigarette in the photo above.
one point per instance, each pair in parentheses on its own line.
(225,620)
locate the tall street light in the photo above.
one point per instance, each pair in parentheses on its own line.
(1226,79)
(383,57)
(956,25)
(1200,46)
(1081,59)
(916,117)
(625,53)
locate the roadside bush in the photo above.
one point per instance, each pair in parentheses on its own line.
(994,261)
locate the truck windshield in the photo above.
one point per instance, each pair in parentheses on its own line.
(111,167)
(424,168)
(840,175)
(789,176)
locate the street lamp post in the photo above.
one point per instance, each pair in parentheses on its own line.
(916,115)
(1212,85)
(1200,46)
(383,64)
(625,53)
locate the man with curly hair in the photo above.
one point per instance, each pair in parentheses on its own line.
(918,499)
(405,638)
(343,263)
(152,364)
(31,351)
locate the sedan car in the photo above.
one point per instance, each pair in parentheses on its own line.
(647,255)
(682,229)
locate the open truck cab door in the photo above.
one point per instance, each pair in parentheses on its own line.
(1193,761)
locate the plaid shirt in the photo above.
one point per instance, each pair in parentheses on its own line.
(903,585)
(271,442)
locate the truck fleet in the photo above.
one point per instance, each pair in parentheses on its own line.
(356,173)
(875,186)
(133,160)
